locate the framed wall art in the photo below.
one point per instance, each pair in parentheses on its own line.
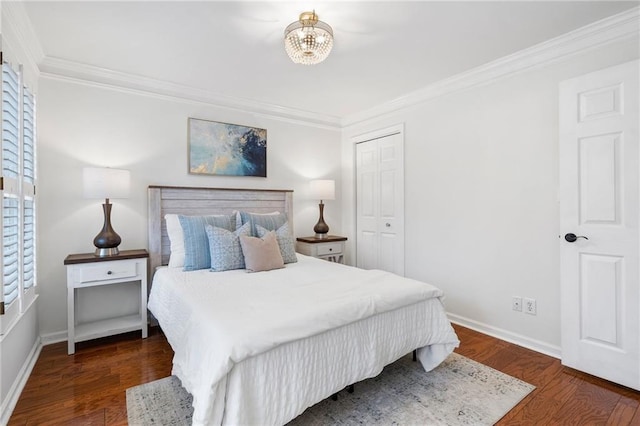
(226,149)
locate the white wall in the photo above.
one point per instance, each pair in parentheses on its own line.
(481,211)
(82,124)
(19,350)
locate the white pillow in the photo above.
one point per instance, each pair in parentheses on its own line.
(176,238)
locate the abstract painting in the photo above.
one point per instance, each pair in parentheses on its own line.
(226,149)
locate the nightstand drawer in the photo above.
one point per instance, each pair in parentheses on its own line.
(107,272)
(329,248)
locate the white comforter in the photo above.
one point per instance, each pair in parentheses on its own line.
(216,320)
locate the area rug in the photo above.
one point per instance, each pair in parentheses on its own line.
(458,392)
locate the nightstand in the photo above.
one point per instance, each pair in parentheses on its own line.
(87,270)
(330,248)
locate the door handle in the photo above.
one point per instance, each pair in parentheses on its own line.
(573,237)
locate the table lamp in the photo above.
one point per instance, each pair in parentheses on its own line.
(101,182)
(322,189)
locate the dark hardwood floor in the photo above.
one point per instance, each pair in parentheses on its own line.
(88,388)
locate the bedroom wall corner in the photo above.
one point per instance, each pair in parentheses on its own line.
(481,181)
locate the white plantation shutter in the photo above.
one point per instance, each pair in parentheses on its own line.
(10,121)
(28,137)
(28,189)
(10,211)
(28,249)
(18,209)
(10,252)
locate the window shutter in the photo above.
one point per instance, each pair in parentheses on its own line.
(10,121)
(10,249)
(18,203)
(28,255)
(28,189)
(10,204)
(28,137)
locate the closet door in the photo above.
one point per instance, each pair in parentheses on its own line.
(380,204)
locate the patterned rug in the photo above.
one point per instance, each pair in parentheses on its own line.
(458,392)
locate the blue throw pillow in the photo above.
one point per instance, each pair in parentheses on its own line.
(270,222)
(285,242)
(225,248)
(196,244)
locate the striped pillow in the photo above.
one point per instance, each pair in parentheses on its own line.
(196,244)
(269,221)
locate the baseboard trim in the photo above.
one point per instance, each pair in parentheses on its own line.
(508,336)
(50,338)
(18,385)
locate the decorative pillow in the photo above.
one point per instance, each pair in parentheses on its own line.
(196,244)
(285,242)
(224,247)
(269,221)
(261,254)
(176,239)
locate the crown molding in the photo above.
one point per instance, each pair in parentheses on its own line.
(56,68)
(26,41)
(618,27)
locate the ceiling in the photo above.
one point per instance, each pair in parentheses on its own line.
(382,50)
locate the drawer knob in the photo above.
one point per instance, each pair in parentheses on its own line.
(330,249)
(109,272)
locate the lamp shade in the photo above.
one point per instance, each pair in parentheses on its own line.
(102,182)
(323,189)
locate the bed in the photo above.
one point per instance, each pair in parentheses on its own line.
(259,348)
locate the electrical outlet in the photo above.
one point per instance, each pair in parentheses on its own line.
(530,306)
(516,303)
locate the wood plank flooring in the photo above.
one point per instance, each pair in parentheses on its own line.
(88,388)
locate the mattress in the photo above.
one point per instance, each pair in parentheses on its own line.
(260,348)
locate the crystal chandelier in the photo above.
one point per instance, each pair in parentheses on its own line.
(309,40)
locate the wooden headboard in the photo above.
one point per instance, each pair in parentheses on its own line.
(205,201)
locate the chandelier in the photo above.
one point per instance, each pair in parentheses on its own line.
(308,41)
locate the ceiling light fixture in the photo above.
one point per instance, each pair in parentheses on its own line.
(309,40)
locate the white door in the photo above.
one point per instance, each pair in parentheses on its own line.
(599,200)
(380,204)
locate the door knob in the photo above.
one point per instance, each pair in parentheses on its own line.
(573,237)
